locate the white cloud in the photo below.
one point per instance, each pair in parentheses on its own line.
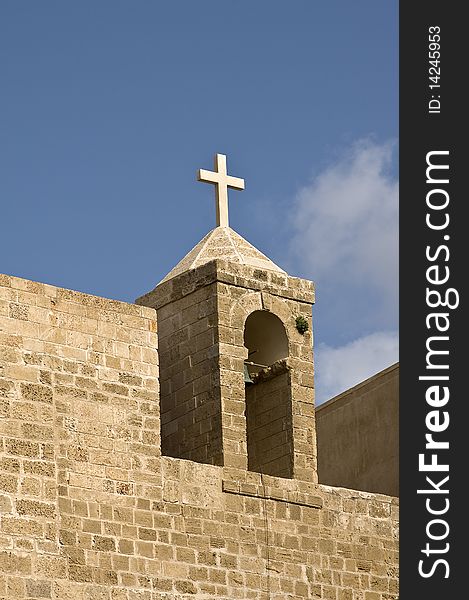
(338,369)
(346,224)
(346,240)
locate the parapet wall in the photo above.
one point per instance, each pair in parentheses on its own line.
(90,510)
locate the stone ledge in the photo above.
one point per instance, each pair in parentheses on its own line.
(231,486)
(277,368)
(56,295)
(224,271)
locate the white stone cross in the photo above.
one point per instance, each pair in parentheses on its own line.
(222,182)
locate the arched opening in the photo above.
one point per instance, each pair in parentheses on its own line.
(268,396)
(266,340)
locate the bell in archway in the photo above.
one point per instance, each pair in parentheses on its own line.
(247,376)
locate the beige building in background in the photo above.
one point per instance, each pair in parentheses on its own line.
(167,449)
(358,435)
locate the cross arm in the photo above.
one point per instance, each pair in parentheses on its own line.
(235,182)
(209,176)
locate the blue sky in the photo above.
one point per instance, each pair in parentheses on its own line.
(108,109)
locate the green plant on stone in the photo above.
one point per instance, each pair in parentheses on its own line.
(301,324)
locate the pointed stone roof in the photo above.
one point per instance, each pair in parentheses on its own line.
(225,243)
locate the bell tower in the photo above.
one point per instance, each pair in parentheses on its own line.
(236,354)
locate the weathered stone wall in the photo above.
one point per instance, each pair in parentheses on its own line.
(189,377)
(90,510)
(269,423)
(78,396)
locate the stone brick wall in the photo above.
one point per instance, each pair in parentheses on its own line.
(90,510)
(190,390)
(269,422)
